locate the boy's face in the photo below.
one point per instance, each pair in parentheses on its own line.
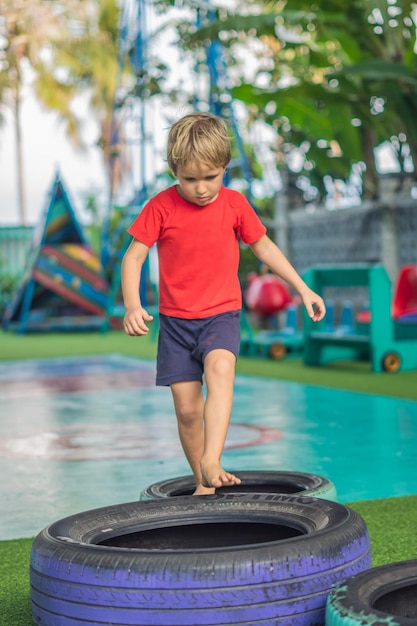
(199,183)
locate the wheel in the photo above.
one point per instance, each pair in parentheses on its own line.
(391,362)
(221,559)
(296,483)
(277,351)
(381,595)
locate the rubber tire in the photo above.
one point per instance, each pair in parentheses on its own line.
(221,559)
(295,483)
(391,362)
(381,595)
(277,351)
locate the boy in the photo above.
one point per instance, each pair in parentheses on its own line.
(196,225)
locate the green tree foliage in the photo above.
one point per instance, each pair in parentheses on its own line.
(334,79)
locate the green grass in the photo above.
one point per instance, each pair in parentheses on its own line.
(349,375)
(391,525)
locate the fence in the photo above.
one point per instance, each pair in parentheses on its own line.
(15,243)
(369,233)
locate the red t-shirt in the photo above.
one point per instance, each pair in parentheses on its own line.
(198,250)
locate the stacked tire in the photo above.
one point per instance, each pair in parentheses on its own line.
(278,482)
(381,595)
(249,558)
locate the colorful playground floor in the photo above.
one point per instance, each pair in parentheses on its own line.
(80,433)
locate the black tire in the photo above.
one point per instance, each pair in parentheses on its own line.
(277,351)
(221,559)
(382,595)
(295,483)
(391,362)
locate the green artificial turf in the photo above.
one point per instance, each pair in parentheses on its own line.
(349,375)
(390,521)
(392,527)
(14,583)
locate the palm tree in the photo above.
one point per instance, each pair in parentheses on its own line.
(33,33)
(24,29)
(73,48)
(85,63)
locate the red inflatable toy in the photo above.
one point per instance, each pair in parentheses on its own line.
(405,293)
(404,302)
(267,295)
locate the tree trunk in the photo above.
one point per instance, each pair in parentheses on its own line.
(413,151)
(280,220)
(370,178)
(19,159)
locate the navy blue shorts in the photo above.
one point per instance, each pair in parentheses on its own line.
(184,344)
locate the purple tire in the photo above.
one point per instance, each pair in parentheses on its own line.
(188,561)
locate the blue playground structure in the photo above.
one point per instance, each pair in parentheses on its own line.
(386,335)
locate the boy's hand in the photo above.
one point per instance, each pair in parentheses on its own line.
(134,322)
(314,304)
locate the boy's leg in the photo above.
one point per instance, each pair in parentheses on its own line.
(189,409)
(219,371)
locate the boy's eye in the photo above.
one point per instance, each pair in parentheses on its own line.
(189,179)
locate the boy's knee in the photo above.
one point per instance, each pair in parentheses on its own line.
(188,413)
(189,408)
(220,363)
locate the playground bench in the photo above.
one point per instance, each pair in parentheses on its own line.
(384,342)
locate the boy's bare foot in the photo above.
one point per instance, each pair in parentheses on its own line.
(213,475)
(201,490)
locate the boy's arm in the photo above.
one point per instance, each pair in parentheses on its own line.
(269,253)
(136,316)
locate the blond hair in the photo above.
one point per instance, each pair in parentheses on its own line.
(200,138)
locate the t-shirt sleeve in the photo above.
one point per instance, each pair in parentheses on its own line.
(147,225)
(250,227)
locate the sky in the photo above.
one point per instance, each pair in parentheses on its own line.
(46,150)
